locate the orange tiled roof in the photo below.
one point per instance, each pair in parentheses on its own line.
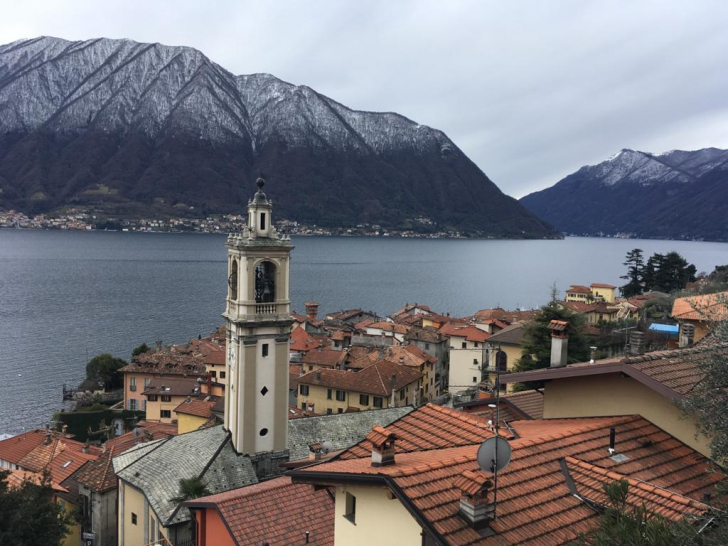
(379,436)
(385,326)
(429,427)
(17,477)
(707,307)
(578,289)
(328,358)
(302,341)
(471,333)
(375,379)
(535,502)
(15,448)
(275,512)
(202,406)
(601,285)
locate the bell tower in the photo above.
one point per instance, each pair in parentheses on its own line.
(258,330)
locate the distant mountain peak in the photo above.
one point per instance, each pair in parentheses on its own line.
(674,194)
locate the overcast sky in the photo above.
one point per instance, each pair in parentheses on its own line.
(529,90)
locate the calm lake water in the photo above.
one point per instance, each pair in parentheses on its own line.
(67,296)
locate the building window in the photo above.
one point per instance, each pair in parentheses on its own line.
(222,375)
(213,373)
(475,379)
(304,390)
(465,345)
(341,396)
(475,361)
(329,411)
(427,346)
(265,349)
(144,405)
(350,509)
(262,221)
(363,399)
(147,380)
(328,394)
(475,344)
(340,410)
(233,280)
(401,394)
(133,518)
(132,383)
(152,397)
(303,405)
(132,404)
(166,398)
(501,361)
(378,401)
(265,284)
(152,527)
(165,414)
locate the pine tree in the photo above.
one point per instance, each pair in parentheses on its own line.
(635,274)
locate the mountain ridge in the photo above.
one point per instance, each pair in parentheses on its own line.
(127,127)
(676,194)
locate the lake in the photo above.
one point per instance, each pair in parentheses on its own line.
(66,296)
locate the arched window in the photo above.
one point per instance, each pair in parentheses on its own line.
(233,281)
(501,361)
(265,282)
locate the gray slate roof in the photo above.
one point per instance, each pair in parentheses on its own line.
(120,462)
(342,430)
(512,335)
(205,453)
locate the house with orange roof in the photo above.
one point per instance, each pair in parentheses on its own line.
(550,492)
(384,384)
(323,358)
(698,315)
(393,330)
(194,413)
(647,384)
(466,356)
(273,512)
(164,395)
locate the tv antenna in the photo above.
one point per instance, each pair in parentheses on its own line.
(494,454)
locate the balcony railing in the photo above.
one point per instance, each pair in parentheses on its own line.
(266,309)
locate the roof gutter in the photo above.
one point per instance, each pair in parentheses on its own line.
(335,478)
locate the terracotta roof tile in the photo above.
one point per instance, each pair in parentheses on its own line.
(375,379)
(707,307)
(535,504)
(173,386)
(329,358)
(471,333)
(199,407)
(15,448)
(275,512)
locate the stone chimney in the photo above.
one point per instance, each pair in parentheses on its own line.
(559,342)
(636,343)
(687,335)
(475,505)
(311,309)
(382,446)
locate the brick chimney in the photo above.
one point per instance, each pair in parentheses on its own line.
(311,309)
(315,451)
(382,446)
(559,342)
(475,505)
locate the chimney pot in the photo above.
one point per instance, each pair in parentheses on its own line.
(559,343)
(382,446)
(636,343)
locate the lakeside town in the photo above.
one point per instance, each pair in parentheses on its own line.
(84,219)
(339,421)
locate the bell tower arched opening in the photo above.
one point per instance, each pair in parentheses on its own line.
(233,280)
(265,282)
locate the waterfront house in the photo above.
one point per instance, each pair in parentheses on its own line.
(164,394)
(466,355)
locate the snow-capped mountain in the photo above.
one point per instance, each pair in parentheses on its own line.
(676,194)
(153,124)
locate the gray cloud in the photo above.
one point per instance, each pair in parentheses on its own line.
(530,90)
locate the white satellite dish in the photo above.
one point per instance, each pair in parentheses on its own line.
(327,447)
(494,454)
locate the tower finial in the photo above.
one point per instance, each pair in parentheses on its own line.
(261,181)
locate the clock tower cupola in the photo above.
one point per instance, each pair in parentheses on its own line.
(258,314)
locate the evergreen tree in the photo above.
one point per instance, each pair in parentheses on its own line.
(30,515)
(141,349)
(635,272)
(105,367)
(536,352)
(624,525)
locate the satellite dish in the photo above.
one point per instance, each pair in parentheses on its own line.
(494,454)
(327,446)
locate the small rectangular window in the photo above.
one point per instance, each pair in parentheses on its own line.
(378,401)
(213,374)
(401,394)
(265,349)
(328,394)
(475,361)
(465,345)
(166,398)
(304,390)
(222,375)
(133,518)
(427,346)
(341,396)
(475,379)
(340,410)
(132,404)
(303,405)
(262,220)
(363,399)
(152,397)
(165,414)
(350,509)
(329,411)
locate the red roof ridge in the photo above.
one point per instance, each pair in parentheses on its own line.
(644,486)
(458,414)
